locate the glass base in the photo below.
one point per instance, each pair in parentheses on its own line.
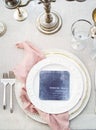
(93,54)
(78,46)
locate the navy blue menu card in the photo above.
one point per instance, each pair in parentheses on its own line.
(54,85)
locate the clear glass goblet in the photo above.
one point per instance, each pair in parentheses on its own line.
(80,33)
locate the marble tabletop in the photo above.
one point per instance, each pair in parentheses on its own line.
(26,30)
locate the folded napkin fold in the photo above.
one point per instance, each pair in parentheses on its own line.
(32,56)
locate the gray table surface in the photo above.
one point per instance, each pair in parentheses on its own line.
(26,30)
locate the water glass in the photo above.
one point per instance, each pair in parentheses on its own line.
(80,33)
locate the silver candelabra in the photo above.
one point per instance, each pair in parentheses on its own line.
(48,22)
(20,14)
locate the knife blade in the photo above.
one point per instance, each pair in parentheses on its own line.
(95,92)
(11,83)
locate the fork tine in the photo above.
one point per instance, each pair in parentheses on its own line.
(5,75)
(11,74)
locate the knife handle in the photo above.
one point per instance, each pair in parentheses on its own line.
(95,92)
(4,97)
(11,98)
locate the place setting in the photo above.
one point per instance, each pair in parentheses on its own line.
(53,82)
(52,86)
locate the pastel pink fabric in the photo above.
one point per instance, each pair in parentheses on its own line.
(32,56)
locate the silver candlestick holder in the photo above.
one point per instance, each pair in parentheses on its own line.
(48,22)
(20,14)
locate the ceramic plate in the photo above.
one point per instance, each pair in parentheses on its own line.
(80,105)
(55,64)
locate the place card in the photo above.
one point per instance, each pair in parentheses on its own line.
(54,85)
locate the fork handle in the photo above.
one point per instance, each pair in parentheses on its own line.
(11,98)
(4,97)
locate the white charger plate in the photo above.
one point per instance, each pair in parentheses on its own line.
(77,109)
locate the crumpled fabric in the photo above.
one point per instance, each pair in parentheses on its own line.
(32,56)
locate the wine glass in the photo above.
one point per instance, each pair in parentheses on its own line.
(80,33)
(93,35)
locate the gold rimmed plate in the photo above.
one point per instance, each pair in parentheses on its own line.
(58,89)
(80,105)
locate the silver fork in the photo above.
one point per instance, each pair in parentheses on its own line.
(4,80)
(11,83)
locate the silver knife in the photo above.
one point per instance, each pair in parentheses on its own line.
(95,92)
(11,83)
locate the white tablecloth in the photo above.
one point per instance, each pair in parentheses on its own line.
(26,30)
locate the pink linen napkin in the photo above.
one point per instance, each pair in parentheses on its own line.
(32,56)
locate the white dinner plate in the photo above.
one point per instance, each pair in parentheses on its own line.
(55,63)
(80,105)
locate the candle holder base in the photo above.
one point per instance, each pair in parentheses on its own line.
(49,28)
(20,16)
(3,28)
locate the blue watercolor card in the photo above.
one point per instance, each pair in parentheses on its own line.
(54,85)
